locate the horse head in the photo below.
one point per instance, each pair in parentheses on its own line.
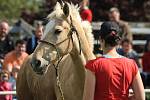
(58,38)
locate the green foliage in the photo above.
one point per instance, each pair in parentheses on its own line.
(11,9)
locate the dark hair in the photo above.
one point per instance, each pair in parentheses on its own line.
(20,42)
(126,41)
(110,33)
(146,45)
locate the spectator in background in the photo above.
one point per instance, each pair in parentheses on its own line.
(146,64)
(114,15)
(127,51)
(13,77)
(5,85)
(33,41)
(146,7)
(15,57)
(146,57)
(86,13)
(6,44)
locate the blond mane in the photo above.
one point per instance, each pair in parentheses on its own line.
(88,33)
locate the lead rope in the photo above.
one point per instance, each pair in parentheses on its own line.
(58,79)
(57,74)
(60,88)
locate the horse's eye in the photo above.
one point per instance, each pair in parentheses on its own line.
(57,31)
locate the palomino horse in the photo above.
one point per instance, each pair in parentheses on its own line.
(55,71)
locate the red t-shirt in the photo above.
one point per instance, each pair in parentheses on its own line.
(113,77)
(146,62)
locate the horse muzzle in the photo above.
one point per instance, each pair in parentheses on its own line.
(39,65)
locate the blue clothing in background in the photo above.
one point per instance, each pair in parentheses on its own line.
(132,55)
(31,44)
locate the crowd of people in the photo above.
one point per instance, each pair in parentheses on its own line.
(115,43)
(12,56)
(131,10)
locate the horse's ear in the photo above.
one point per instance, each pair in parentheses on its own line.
(66,9)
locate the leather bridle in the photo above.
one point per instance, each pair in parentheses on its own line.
(57,44)
(59,56)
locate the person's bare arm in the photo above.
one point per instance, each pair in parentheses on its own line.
(89,87)
(138,89)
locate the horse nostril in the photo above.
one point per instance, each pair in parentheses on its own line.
(37,63)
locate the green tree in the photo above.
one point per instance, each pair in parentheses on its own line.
(11,9)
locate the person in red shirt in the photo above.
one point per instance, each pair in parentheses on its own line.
(86,13)
(110,77)
(5,85)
